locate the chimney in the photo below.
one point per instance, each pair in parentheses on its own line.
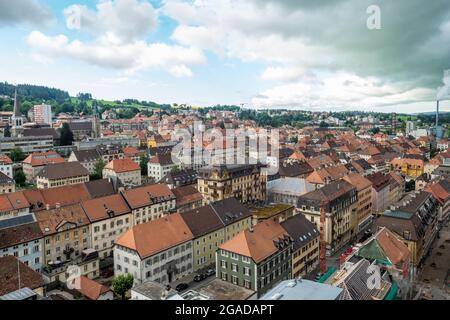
(57,205)
(47,206)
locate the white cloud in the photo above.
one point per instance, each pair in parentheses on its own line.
(133,56)
(125,20)
(298,40)
(118,27)
(339,91)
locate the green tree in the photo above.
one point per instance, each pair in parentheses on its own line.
(323,124)
(175,170)
(66,138)
(143,161)
(19,177)
(329,136)
(293,139)
(122,283)
(16,155)
(98,169)
(7,132)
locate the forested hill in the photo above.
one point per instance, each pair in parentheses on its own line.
(33,92)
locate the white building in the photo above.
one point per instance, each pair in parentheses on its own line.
(159,250)
(43,114)
(160,165)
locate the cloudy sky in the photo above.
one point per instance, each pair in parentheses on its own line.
(312,55)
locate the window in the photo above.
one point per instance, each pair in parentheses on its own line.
(223,263)
(234,279)
(234,256)
(224,276)
(234,267)
(247,271)
(246,259)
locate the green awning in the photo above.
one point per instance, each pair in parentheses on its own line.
(327,274)
(393,292)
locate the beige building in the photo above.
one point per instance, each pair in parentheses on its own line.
(305,254)
(150,202)
(61,174)
(125,170)
(340,202)
(66,233)
(7,185)
(110,217)
(364,193)
(244,182)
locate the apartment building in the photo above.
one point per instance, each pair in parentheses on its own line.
(364,193)
(124,170)
(42,114)
(441,192)
(414,220)
(13,204)
(408,166)
(159,250)
(61,174)
(110,217)
(21,237)
(256,258)
(246,183)
(212,225)
(7,184)
(380,191)
(150,202)
(340,202)
(66,233)
(160,165)
(305,254)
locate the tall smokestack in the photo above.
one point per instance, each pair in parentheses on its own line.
(437,114)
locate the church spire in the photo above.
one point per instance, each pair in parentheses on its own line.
(16,105)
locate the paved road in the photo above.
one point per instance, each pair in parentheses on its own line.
(190,281)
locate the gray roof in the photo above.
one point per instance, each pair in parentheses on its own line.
(300,229)
(4,179)
(87,155)
(153,290)
(302,290)
(63,170)
(290,186)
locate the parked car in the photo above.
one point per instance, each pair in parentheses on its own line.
(210,272)
(318,276)
(181,287)
(199,277)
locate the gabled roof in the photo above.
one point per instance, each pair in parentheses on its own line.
(259,243)
(10,268)
(155,236)
(91,289)
(386,248)
(301,230)
(63,170)
(105,207)
(43,158)
(123,165)
(148,195)
(358,181)
(50,221)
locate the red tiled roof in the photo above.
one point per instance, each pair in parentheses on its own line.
(122,165)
